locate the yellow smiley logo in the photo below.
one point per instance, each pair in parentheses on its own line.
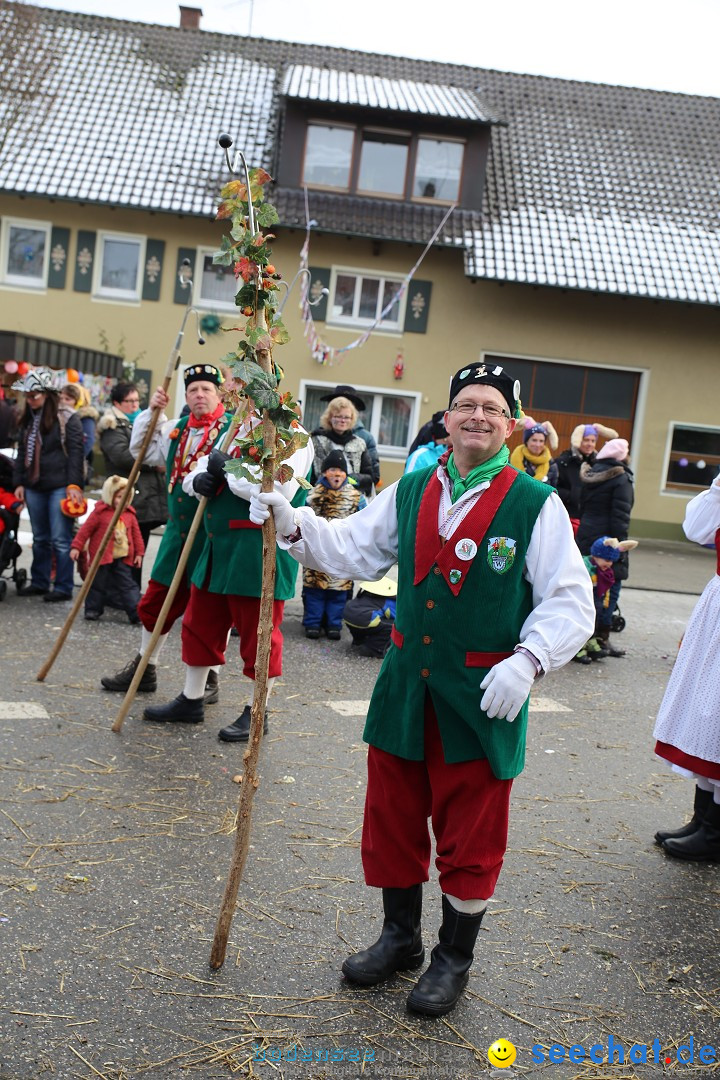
(501,1054)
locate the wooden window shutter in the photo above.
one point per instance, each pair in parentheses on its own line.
(58,257)
(319,280)
(152,273)
(180,296)
(84,261)
(418,306)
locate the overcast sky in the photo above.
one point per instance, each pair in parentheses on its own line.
(661,44)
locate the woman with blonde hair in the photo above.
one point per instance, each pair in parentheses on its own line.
(335,432)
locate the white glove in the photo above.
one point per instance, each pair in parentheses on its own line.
(507,685)
(262,502)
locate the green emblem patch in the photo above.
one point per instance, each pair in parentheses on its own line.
(455,576)
(501,553)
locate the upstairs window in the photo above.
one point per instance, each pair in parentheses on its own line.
(23,250)
(118,267)
(437,169)
(359,299)
(375,161)
(383,163)
(328,156)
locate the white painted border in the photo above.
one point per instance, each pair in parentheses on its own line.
(12,281)
(121,296)
(687,495)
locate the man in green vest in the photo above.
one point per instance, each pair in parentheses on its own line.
(179,445)
(226,583)
(492,593)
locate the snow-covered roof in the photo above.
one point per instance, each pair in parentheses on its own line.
(603,188)
(360,88)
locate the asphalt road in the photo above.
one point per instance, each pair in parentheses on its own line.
(116,850)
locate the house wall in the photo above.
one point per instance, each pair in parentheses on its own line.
(673,345)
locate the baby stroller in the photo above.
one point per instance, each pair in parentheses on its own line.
(618,621)
(10,549)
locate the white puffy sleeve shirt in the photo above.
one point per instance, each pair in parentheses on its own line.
(365,545)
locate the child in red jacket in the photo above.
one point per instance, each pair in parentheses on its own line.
(114,584)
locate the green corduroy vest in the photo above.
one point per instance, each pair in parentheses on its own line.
(182,509)
(456,618)
(231,557)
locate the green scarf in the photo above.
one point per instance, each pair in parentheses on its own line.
(478,475)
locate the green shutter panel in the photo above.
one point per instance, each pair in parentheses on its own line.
(181,294)
(84,261)
(59,251)
(319,280)
(152,275)
(418,306)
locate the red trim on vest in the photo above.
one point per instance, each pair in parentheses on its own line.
(698,765)
(239,523)
(428,547)
(485,659)
(396,637)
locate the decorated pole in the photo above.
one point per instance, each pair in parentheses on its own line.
(172,364)
(279,437)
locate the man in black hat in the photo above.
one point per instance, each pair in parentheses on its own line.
(492,593)
(178,445)
(349,392)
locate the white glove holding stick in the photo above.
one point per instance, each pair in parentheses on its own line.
(507,685)
(262,502)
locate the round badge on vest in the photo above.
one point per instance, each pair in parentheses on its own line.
(466,549)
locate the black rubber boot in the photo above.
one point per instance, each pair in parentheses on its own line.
(181,710)
(399,946)
(702,801)
(602,635)
(439,988)
(121,680)
(212,689)
(239,730)
(703,845)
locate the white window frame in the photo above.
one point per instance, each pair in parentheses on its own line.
(373,397)
(358,322)
(16,281)
(104,292)
(198,299)
(692,489)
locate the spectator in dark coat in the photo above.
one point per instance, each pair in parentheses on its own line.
(583,451)
(114,432)
(49,469)
(8,422)
(606,501)
(425,434)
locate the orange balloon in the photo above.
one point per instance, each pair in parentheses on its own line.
(23,367)
(72,375)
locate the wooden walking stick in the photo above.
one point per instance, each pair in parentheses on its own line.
(253,364)
(172,590)
(172,364)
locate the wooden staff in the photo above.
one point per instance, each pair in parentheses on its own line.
(174,586)
(125,498)
(250,782)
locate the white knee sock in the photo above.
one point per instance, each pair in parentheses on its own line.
(144,643)
(195,679)
(216,668)
(270,684)
(467,907)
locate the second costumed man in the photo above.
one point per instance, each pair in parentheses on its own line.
(226,586)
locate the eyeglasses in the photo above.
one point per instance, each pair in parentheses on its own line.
(131,401)
(336,417)
(468,408)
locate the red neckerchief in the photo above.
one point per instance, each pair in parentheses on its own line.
(212,424)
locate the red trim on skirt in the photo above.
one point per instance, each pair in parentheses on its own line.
(698,765)
(208,621)
(153,599)
(469,808)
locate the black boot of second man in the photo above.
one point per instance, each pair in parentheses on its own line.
(439,988)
